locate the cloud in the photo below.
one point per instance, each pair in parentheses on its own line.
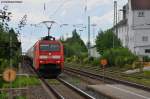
(70,12)
(103,20)
(36,1)
(33,18)
(94,3)
(63,13)
(90,3)
(27,42)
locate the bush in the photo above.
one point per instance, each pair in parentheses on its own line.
(146,59)
(119,57)
(68,59)
(119,61)
(96,62)
(147,73)
(4,64)
(86,60)
(136,65)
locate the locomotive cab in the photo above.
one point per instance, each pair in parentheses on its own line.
(50,57)
(47,56)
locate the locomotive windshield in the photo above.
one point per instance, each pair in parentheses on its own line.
(50,47)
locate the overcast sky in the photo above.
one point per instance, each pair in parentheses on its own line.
(63,12)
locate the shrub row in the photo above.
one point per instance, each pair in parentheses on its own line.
(119,57)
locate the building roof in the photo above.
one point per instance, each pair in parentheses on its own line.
(140,4)
(121,23)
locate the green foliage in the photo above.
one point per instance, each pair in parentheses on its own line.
(147,73)
(74,46)
(22,81)
(4,64)
(5,55)
(146,59)
(119,56)
(4,96)
(104,41)
(96,62)
(20,97)
(86,60)
(68,59)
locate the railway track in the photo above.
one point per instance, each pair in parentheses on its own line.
(50,88)
(62,89)
(110,73)
(107,79)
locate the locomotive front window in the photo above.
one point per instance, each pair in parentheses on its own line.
(54,47)
(44,47)
(50,47)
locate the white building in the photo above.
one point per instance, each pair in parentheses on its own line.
(134,29)
(94,53)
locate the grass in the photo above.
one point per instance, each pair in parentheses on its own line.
(143,81)
(75,80)
(6,95)
(147,73)
(54,82)
(3,96)
(20,97)
(21,81)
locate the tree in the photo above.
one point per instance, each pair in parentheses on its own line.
(5,47)
(105,40)
(74,45)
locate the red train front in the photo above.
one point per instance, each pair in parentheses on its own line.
(48,57)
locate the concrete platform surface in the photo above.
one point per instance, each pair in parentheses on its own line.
(118,91)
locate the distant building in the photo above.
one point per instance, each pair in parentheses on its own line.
(93,52)
(134,29)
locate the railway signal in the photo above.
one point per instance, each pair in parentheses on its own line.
(104,62)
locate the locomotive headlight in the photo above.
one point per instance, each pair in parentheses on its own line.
(43,57)
(56,57)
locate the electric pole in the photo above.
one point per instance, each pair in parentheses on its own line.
(115,22)
(93,25)
(89,29)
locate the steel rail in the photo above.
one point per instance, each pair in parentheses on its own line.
(82,93)
(100,77)
(58,95)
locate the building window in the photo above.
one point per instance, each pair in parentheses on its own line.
(145,38)
(147,51)
(140,14)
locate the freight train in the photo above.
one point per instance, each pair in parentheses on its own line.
(47,56)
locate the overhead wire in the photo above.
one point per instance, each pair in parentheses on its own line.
(58,8)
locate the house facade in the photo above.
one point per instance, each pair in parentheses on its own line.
(134,29)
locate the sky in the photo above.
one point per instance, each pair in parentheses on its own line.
(70,12)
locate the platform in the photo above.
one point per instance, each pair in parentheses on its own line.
(118,91)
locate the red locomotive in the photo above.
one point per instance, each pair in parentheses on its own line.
(47,56)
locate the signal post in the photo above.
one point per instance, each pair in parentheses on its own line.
(103,63)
